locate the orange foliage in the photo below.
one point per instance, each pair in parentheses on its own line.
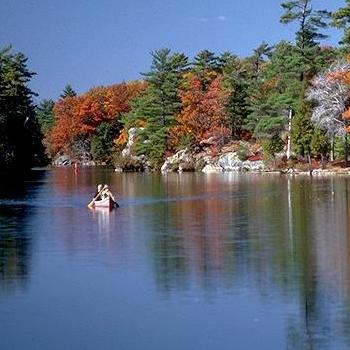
(343,76)
(81,115)
(122,139)
(203,114)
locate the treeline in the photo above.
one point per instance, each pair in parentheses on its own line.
(214,99)
(20,136)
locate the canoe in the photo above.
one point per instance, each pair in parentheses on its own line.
(105,203)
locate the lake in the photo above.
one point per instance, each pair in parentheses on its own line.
(188,261)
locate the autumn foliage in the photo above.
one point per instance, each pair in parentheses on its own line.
(343,76)
(203,114)
(79,116)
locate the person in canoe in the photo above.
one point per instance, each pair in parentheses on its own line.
(97,194)
(102,193)
(107,193)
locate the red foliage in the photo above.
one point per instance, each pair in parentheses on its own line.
(203,114)
(81,115)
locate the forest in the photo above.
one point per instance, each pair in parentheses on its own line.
(205,103)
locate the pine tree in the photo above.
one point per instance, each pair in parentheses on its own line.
(320,144)
(68,92)
(18,133)
(160,103)
(311,23)
(235,84)
(341,20)
(44,115)
(303,129)
(279,89)
(262,52)
(206,66)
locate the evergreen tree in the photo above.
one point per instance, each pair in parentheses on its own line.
(272,145)
(260,54)
(44,115)
(68,92)
(227,61)
(341,20)
(320,144)
(303,129)
(235,83)
(18,129)
(160,103)
(278,90)
(206,66)
(311,23)
(205,60)
(102,142)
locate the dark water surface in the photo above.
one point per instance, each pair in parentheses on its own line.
(190,261)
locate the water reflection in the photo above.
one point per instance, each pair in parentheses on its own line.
(284,238)
(15,233)
(15,251)
(279,243)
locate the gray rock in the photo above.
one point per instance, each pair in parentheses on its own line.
(132,133)
(62,160)
(231,162)
(176,162)
(212,168)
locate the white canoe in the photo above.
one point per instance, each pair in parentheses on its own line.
(105,203)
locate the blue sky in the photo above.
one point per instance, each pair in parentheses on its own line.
(99,42)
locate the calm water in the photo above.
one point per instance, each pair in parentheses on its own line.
(189,261)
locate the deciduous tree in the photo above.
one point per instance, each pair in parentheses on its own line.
(203,115)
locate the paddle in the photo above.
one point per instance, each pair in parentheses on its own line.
(109,193)
(90,205)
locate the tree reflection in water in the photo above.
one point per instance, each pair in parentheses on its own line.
(16,196)
(15,247)
(285,238)
(283,242)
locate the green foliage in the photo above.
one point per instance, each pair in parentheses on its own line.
(243,151)
(258,91)
(276,90)
(272,146)
(341,20)
(186,141)
(206,66)
(311,22)
(320,143)
(68,92)
(205,60)
(302,129)
(20,144)
(102,148)
(160,103)
(235,83)
(44,115)
(260,54)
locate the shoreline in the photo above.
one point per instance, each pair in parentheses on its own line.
(286,172)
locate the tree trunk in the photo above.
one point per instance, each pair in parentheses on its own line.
(346,150)
(332,148)
(322,161)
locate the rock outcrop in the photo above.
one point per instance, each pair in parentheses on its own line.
(128,161)
(132,134)
(225,162)
(62,160)
(180,161)
(231,162)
